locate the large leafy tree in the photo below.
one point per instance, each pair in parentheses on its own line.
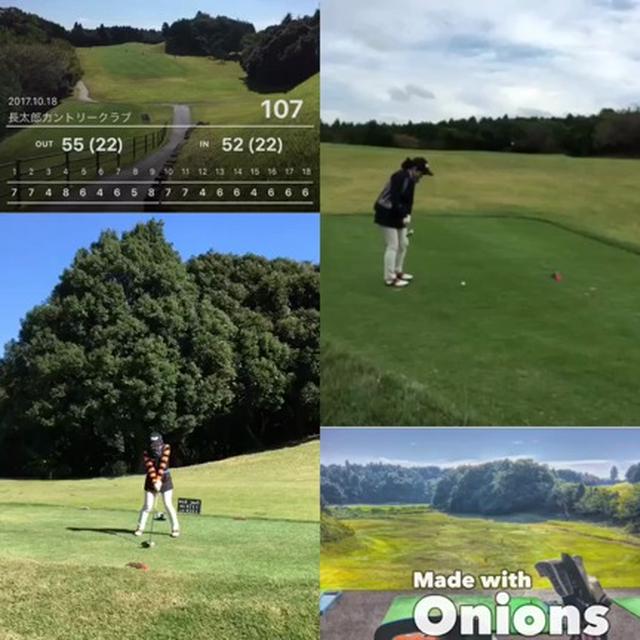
(124,345)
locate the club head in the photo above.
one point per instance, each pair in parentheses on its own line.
(148,544)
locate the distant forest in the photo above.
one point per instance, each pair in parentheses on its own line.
(494,488)
(609,133)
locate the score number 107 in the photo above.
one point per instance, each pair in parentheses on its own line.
(282,109)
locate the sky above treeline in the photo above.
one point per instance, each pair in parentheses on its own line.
(144,15)
(585,450)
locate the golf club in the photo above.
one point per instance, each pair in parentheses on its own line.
(149,544)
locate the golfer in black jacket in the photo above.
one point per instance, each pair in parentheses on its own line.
(393,214)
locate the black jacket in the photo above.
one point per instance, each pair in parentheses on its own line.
(396,200)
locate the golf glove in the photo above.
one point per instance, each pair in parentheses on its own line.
(157,485)
(406,221)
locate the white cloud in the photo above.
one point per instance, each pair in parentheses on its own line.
(489,58)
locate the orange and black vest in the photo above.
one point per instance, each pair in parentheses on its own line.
(157,468)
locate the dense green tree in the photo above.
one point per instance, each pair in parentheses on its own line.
(633,473)
(282,56)
(133,340)
(205,35)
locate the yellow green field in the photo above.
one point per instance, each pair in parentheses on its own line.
(390,543)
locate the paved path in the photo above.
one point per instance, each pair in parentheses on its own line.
(81,92)
(158,159)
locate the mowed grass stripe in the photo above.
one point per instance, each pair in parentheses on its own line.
(233,547)
(512,346)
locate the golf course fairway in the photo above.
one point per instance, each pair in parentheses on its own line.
(389,543)
(245,568)
(484,335)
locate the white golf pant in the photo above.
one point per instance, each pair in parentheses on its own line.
(397,242)
(147,508)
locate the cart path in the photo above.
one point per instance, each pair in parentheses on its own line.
(158,159)
(81,92)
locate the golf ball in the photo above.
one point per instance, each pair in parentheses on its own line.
(463,283)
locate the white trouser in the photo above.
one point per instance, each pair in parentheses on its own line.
(397,242)
(149,497)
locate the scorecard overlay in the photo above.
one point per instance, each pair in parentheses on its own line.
(208,113)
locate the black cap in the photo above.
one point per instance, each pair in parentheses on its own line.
(155,437)
(422,165)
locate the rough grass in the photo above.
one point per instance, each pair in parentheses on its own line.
(246,568)
(512,347)
(391,543)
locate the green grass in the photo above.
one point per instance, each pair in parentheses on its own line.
(512,346)
(246,568)
(390,544)
(599,195)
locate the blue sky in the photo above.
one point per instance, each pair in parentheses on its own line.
(586,450)
(36,248)
(261,13)
(440,59)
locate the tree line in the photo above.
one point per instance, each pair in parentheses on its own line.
(608,133)
(102,36)
(495,488)
(219,353)
(377,483)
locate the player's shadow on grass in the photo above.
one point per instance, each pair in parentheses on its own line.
(111,531)
(107,530)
